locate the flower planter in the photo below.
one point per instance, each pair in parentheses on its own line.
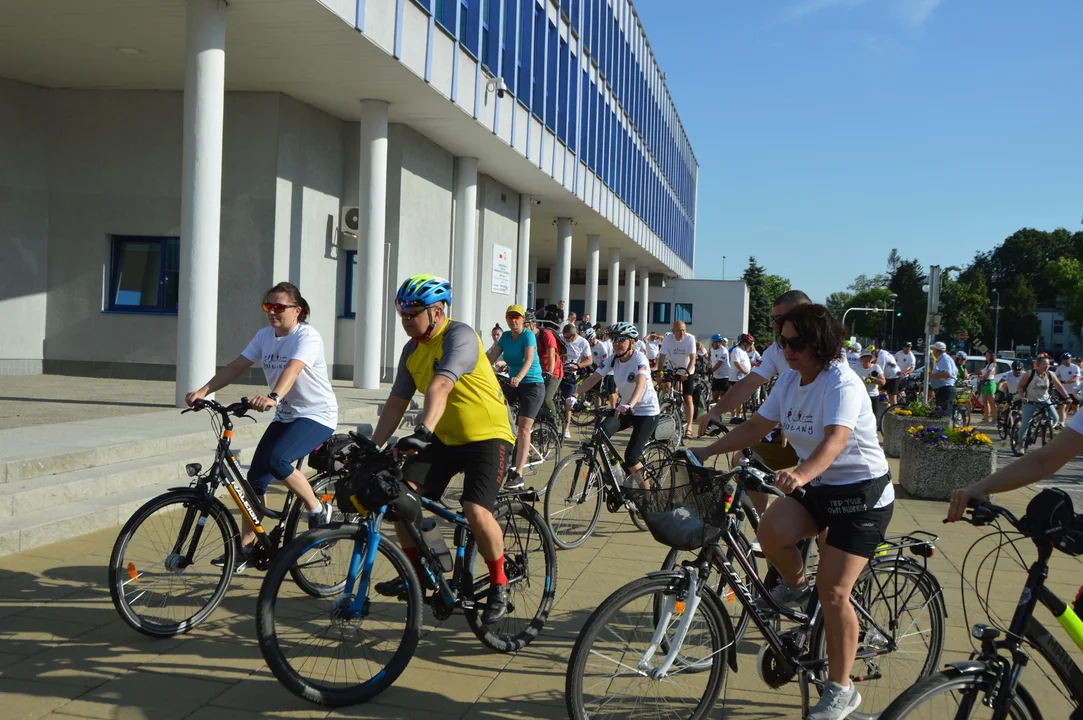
(895,427)
(932,470)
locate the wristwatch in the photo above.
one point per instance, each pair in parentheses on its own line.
(273,396)
(423,432)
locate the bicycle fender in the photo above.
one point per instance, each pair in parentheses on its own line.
(726,622)
(966,667)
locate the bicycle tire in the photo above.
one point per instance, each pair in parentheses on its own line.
(920,700)
(559,517)
(583,412)
(873,695)
(655,453)
(272,606)
(515,630)
(548,439)
(726,597)
(1013,435)
(324,488)
(125,570)
(645,591)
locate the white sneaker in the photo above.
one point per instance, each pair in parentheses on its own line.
(836,703)
(567,434)
(756,549)
(785,596)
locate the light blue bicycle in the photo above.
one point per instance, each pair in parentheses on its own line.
(347,649)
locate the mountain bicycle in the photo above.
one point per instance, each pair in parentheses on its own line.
(1008,413)
(573,497)
(160,574)
(348,648)
(664,642)
(1040,430)
(988,684)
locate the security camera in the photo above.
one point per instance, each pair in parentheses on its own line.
(497,85)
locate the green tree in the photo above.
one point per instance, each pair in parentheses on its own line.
(893,261)
(964,306)
(863,282)
(837,302)
(759,304)
(1019,325)
(775,285)
(1066,274)
(869,325)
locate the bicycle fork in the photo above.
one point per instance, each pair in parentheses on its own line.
(672,605)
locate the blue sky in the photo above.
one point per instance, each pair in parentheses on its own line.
(830,131)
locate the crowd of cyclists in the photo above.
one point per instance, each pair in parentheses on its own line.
(816,427)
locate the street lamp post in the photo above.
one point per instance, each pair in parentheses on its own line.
(892,297)
(723,267)
(996,325)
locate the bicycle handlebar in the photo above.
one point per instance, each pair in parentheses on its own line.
(984,513)
(237,409)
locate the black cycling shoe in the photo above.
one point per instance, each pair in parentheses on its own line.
(496,604)
(395,587)
(514,481)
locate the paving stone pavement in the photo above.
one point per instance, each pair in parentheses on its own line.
(65,654)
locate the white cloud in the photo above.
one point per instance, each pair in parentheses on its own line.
(805,8)
(914,13)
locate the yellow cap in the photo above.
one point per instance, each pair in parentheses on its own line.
(515,310)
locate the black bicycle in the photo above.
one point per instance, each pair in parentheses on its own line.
(988,684)
(161,577)
(1008,414)
(354,644)
(1039,432)
(663,643)
(574,494)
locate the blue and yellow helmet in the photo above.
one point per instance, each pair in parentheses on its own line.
(422,291)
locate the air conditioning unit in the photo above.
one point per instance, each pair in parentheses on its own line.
(350,219)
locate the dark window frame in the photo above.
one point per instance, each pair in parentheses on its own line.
(677,307)
(348,311)
(116,245)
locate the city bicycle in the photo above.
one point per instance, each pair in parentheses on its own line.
(1008,413)
(573,497)
(1039,432)
(988,685)
(161,577)
(662,644)
(348,648)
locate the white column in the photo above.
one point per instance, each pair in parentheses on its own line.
(594,252)
(523,275)
(372,204)
(562,283)
(464,288)
(201,194)
(644,288)
(630,292)
(612,288)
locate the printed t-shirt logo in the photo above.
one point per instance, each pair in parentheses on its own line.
(797,421)
(631,377)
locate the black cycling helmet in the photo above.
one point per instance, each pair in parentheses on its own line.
(1017,365)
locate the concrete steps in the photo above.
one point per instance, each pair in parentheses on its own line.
(62,481)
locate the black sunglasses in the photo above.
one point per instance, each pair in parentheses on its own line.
(794,343)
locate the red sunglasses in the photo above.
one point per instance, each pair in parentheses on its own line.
(277,307)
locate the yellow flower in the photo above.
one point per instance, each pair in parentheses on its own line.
(915,429)
(902,411)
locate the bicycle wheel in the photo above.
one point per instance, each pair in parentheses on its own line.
(1013,435)
(728,600)
(153,587)
(530,563)
(545,441)
(949,694)
(308,572)
(573,500)
(583,413)
(315,647)
(604,674)
(1003,425)
(654,456)
(960,415)
(905,601)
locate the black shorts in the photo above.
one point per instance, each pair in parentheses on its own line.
(892,386)
(530,397)
(643,427)
(483,463)
(688,388)
(720,385)
(568,385)
(608,386)
(855,527)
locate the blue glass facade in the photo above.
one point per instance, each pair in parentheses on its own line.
(613,110)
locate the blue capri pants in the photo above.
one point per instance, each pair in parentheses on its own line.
(280,447)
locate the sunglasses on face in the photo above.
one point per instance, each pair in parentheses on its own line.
(409,311)
(793,343)
(277,307)
(621,338)
(777,318)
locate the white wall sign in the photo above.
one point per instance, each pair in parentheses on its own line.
(501,270)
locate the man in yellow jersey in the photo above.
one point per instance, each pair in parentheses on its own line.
(463,427)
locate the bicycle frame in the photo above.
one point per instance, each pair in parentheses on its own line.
(600,444)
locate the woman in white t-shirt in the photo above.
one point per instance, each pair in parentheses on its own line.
(306,411)
(638,408)
(824,410)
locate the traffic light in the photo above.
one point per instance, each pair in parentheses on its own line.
(898,314)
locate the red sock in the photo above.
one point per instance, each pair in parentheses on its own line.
(412,553)
(496,571)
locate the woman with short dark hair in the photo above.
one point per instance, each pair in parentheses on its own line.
(824,411)
(306,411)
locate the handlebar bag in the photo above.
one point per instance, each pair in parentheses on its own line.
(1050,514)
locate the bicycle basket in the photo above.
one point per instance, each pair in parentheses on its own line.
(1050,514)
(332,455)
(372,485)
(686,508)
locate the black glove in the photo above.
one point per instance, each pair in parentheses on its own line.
(420,440)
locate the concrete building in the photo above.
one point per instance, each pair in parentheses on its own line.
(1056,334)
(162,163)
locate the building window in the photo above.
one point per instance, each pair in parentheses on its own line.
(349,302)
(1058,327)
(578,307)
(682,312)
(143,274)
(660,313)
(543,276)
(602,316)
